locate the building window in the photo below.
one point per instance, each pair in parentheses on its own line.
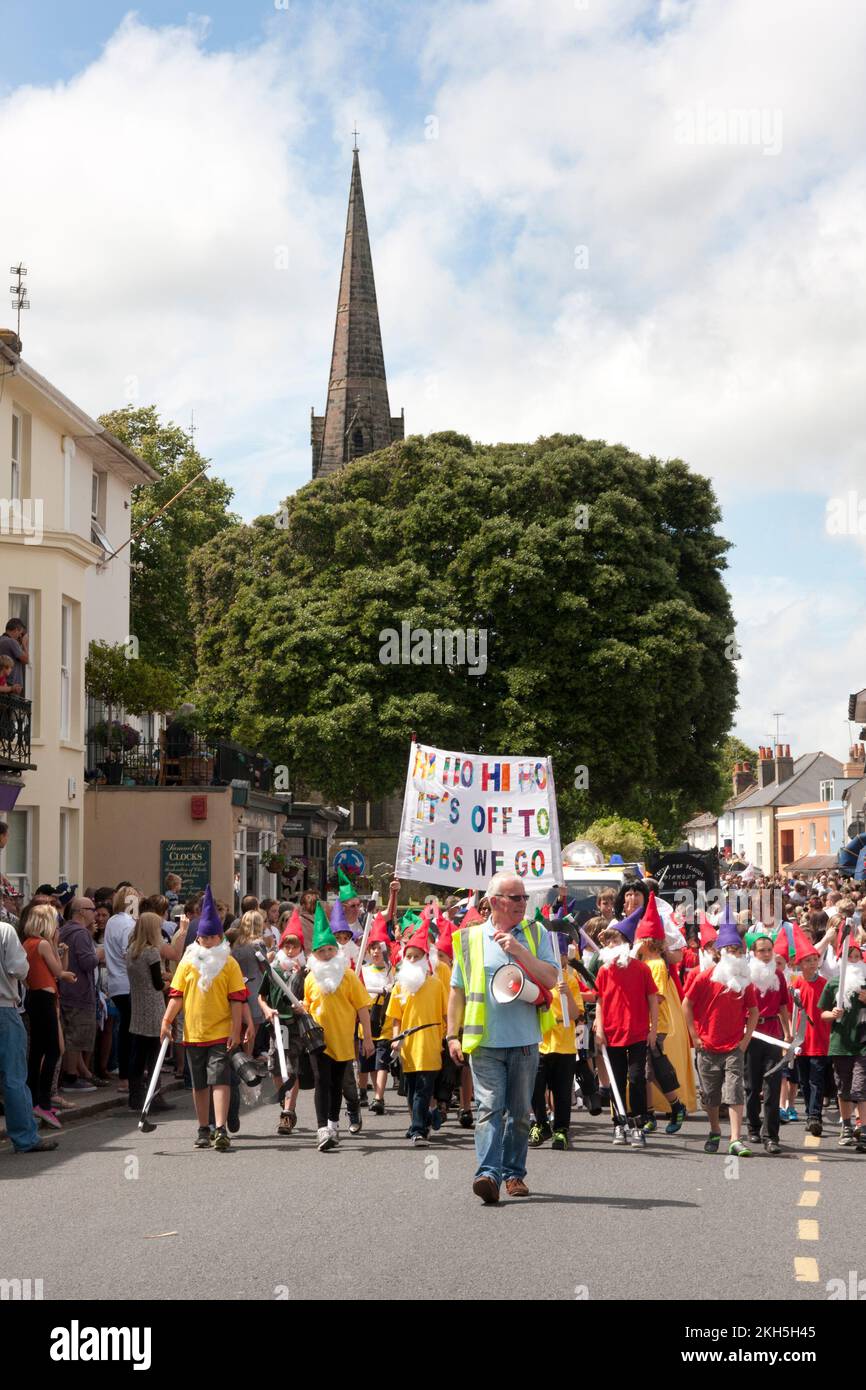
(64,866)
(65,669)
(15,859)
(827,790)
(95,488)
(358,441)
(17,450)
(759,852)
(812,838)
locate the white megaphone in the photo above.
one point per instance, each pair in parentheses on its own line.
(510,983)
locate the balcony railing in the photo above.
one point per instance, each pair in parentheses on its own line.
(14,734)
(185,761)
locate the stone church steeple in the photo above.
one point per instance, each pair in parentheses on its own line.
(357,418)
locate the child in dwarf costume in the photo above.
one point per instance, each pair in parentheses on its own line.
(661,1072)
(338,1002)
(210,988)
(557,1057)
(419,1000)
(288,965)
(763,1073)
(808,984)
(847,1048)
(626,1020)
(344,917)
(721,1009)
(378,980)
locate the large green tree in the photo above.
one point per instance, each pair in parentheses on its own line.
(597,575)
(160,551)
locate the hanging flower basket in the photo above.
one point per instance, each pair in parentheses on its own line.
(274,863)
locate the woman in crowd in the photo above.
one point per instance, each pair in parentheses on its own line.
(47,966)
(118,932)
(147,1004)
(248,938)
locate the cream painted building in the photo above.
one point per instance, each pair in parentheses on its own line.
(65,492)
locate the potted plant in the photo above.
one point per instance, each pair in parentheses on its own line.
(273,862)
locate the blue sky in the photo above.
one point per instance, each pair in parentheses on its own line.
(163,158)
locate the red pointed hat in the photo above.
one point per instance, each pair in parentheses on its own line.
(444,943)
(379,930)
(294,927)
(471,917)
(420,939)
(803,945)
(650,927)
(708,933)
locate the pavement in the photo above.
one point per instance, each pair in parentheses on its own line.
(114,1213)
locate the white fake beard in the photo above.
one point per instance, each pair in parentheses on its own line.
(287,962)
(328,974)
(763,973)
(615,955)
(732,972)
(208,961)
(350,951)
(375,978)
(411,975)
(855,980)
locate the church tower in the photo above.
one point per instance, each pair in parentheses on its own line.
(357,418)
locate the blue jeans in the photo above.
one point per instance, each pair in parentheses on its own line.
(503,1078)
(419,1093)
(811,1072)
(20,1124)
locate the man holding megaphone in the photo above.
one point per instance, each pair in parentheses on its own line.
(501,983)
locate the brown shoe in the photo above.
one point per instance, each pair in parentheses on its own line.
(516,1187)
(487,1190)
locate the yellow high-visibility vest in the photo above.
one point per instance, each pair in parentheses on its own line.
(475,983)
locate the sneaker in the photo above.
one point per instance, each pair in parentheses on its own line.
(772,1146)
(325,1140)
(334,1131)
(739,1149)
(636,1138)
(754,1136)
(560,1140)
(59,1103)
(377,1107)
(792,1114)
(466,1121)
(783,1115)
(535,1136)
(284,1125)
(221,1141)
(650,1125)
(711,1143)
(420,1142)
(47,1117)
(79,1084)
(814,1126)
(846,1138)
(436,1119)
(354,1122)
(678,1115)
(202,1139)
(619,1135)
(43,1146)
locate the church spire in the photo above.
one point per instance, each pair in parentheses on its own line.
(357,417)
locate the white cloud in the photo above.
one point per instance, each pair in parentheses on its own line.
(719,319)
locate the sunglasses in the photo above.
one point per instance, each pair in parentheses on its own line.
(513,897)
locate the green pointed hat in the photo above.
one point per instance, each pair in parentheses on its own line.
(410,921)
(347,887)
(322,934)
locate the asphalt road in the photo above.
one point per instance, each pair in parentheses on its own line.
(115,1213)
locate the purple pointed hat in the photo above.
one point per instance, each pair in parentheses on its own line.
(628,925)
(209,923)
(338,920)
(728,933)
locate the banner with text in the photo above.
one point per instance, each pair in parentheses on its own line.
(467,816)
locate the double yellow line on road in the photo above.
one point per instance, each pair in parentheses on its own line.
(806,1266)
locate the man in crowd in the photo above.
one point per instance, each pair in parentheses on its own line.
(501,1040)
(78,999)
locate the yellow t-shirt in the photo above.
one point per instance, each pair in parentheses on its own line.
(373,971)
(423,1051)
(207,1014)
(337,1013)
(561,1038)
(443,970)
(664,985)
